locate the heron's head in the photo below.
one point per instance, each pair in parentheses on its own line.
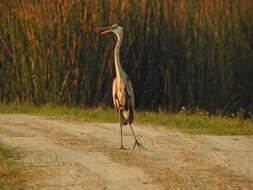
(116,29)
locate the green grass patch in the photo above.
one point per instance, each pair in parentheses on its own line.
(91,114)
(13,175)
(199,122)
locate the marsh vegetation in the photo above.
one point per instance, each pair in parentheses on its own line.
(196,54)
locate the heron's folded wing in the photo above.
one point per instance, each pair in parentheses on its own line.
(131,92)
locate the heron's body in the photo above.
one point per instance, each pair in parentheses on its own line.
(122,89)
(123,99)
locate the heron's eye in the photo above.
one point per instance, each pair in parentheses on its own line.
(114,26)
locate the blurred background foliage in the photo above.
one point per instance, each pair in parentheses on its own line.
(197,54)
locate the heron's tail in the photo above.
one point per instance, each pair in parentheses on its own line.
(127,116)
(124,117)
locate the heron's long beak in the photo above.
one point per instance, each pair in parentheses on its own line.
(106,30)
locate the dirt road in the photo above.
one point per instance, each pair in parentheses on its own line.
(73,155)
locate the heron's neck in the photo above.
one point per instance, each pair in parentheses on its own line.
(120,74)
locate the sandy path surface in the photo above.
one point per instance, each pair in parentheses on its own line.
(79,155)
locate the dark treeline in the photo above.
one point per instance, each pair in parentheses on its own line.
(196,54)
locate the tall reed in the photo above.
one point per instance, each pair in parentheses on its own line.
(196,54)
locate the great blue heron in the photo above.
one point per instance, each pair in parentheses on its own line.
(122,89)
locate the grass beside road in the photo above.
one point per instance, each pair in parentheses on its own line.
(13,175)
(199,122)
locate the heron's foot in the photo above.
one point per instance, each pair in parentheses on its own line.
(122,148)
(139,145)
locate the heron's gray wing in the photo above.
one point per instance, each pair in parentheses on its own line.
(131,92)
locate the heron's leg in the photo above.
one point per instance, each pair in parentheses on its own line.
(140,146)
(121,147)
(121,134)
